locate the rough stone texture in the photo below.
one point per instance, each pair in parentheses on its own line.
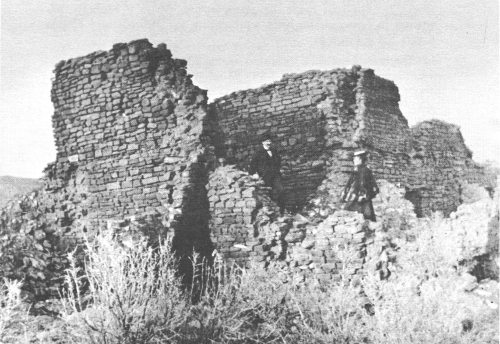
(392,209)
(472,234)
(441,163)
(235,199)
(33,246)
(133,127)
(136,147)
(245,225)
(318,119)
(338,242)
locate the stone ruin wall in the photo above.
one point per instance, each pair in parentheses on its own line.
(136,147)
(318,119)
(383,130)
(338,111)
(440,165)
(246,228)
(130,124)
(292,110)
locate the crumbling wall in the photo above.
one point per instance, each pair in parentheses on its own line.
(319,118)
(380,128)
(440,163)
(246,228)
(245,225)
(336,243)
(309,114)
(133,137)
(136,146)
(36,236)
(131,122)
(235,199)
(383,129)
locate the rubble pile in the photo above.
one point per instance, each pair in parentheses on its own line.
(396,225)
(472,236)
(235,199)
(467,240)
(392,209)
(137,145)
(33,242)
(337,243)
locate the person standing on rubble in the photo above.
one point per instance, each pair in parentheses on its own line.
(361,188)
(266,164)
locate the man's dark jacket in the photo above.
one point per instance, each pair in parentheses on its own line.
(361,188)
(267,167)
(361,183)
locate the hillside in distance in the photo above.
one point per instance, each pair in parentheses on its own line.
(11,186)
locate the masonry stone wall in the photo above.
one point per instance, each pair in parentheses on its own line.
(136,149)
(245,224)
(302,111)
(440,164)
(235,199)
(246,227)
(383,129)
(131,122)
(318,119)
(350,109)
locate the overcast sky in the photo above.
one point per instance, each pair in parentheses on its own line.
(443,55)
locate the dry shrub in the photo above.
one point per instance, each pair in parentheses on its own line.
(331,311)
(12,312)
(271,305)
(422,302)
(237,305)
(433,314)
(134,297)
(124,295)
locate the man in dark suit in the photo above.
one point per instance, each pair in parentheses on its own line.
(266,163)
(361,188)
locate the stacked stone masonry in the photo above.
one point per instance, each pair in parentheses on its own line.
(318,118)
(440,165)
(131,122)
(135,138)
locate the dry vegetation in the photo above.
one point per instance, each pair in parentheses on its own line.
(133,295)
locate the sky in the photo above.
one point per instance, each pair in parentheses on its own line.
(443,55)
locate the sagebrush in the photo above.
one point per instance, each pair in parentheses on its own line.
(134,296)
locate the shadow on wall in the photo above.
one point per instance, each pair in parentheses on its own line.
(414,197)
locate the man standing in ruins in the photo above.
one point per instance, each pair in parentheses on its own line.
(266,163)
(361,188)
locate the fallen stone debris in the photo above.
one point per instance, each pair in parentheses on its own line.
(141,151)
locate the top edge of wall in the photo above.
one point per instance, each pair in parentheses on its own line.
(131,47)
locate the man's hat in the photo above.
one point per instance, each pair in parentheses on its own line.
(266,136)
(360,153)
